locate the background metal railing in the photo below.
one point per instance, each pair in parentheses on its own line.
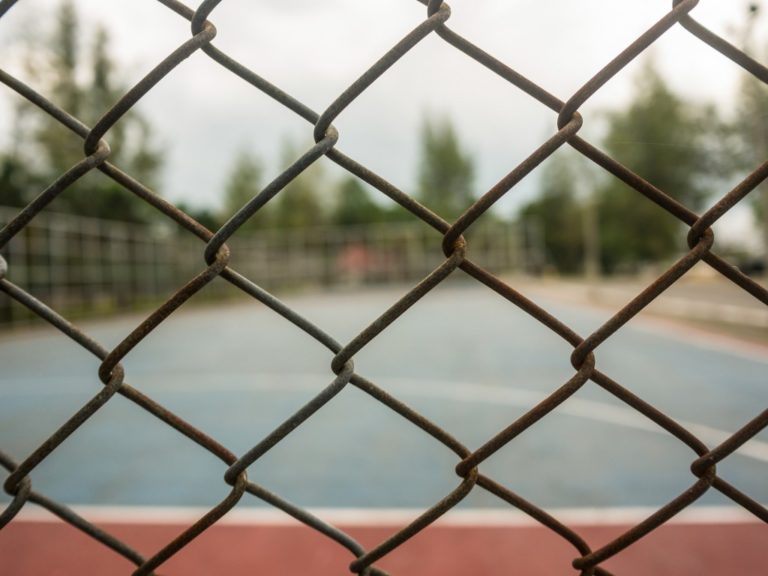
(459,257)
(86,267)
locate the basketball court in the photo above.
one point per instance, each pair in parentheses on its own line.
(463,358)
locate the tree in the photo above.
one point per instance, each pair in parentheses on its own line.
(749,128)
(446,172)
(208,217)
(85,89)
(558,213)
(355,205)
(15,177)
(669,143)
(298,205)
(243,184)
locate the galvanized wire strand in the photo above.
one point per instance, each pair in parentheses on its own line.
(307,518)
(273,303)
(727,49)
(22,470)
(642,300)
(27,494)
(629,54)
(120,108)
(722,206)
(215,257)
(417,525)
(22,492)
(673,207)
(298,418)
(6,5)
(529,418)
(377,69)
(398,309)
(484,203)
(545,519)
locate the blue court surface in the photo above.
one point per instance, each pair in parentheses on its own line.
(463,357)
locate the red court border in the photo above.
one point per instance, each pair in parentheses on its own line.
(704,542)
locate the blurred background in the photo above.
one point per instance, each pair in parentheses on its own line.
(682,116)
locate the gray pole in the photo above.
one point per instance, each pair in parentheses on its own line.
(760,136)
(591,238)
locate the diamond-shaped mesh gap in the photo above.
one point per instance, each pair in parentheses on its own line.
(308,468)
(640,357)
(147,457)
(475,463)
(586,438)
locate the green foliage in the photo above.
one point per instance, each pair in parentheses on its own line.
(669,142)
(355,205)
(85,88)
(745,136)
(14,180)
(64,55)
(633,231)
(298,205)
(664,139)
(243,185)
(750,131)
(204,216)
(559,215)
(446,172)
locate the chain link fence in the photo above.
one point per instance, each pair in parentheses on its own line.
(218,255)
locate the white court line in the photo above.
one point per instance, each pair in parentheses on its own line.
(581,408)
(473,393)
(701,338)
(396,517)
(674,327)
(484,394)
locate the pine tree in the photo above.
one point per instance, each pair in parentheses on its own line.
(668,142)
(446,171)
(244,184)
(558,214)
(85,88)
(355,205)
(299,205)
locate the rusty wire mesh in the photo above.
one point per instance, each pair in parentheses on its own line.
(216,254)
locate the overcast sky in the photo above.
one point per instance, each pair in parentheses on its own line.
(314,50)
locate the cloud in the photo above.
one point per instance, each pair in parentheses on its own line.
(315,50)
